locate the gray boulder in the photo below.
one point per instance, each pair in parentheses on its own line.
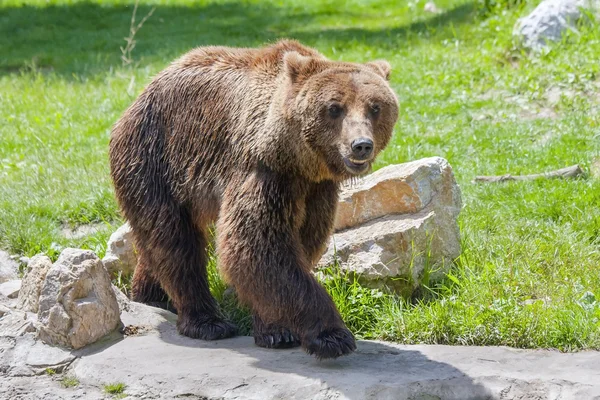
(549,20)
(398,226)
(77,304)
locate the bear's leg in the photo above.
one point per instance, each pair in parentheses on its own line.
(262,256)
(145,288)
(273,336)
(177,254)
(319,216)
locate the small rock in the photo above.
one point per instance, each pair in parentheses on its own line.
(549,20)
(10,289)
(33,280)
(595,168)
(8,267)
(404,228)
(431,7)
(77,304)
(120,251)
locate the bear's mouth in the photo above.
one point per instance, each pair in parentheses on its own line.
(356,167)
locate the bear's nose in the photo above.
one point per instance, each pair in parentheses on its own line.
(362,148)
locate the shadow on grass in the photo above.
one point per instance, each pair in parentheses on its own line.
(84,38)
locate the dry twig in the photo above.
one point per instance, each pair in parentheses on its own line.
(133,29)
(569,172)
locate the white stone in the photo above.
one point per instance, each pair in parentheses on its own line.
(595,168)
(431,7)
(8,267)
(549,20)
(77,303)
(10,289)
(120,251)
(403,226)
(31,287)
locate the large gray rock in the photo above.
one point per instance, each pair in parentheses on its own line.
(33,280)
(403,225)
(120,251)
(8,267)
(77,304)
(549,20)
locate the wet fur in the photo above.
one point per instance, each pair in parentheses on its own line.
(238,137)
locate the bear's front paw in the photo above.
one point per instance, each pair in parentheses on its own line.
(280,338)
(330,343)
(205,327)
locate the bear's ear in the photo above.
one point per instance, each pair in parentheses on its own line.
(381,67)
(298,66)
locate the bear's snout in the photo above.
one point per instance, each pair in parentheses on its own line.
(362,148)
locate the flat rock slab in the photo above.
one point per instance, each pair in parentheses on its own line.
(155,362)
(164,364)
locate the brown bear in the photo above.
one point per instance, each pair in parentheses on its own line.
(258,141)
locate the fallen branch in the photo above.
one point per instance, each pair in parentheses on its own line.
(569,172)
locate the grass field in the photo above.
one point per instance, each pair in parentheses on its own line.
(530,272)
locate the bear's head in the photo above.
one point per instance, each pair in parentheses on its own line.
(345,112)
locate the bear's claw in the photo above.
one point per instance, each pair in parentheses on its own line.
(279,339)
(331,343)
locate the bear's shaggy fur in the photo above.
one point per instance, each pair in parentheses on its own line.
(256,140)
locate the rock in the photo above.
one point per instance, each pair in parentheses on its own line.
(15,323)
(120,251)
(36,271)
(27,357)
(404,228)
(549,20)
(237,369)
(595,168)
(10,289)
(397,189)
(77,304)
(8,267)
(431,8)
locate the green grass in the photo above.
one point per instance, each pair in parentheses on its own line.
(529,274)
(115,388)
(69,381)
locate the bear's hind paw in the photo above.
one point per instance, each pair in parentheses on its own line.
(211,328)
(331,343)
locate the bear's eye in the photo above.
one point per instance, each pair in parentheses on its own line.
(334,111)
(375,109)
